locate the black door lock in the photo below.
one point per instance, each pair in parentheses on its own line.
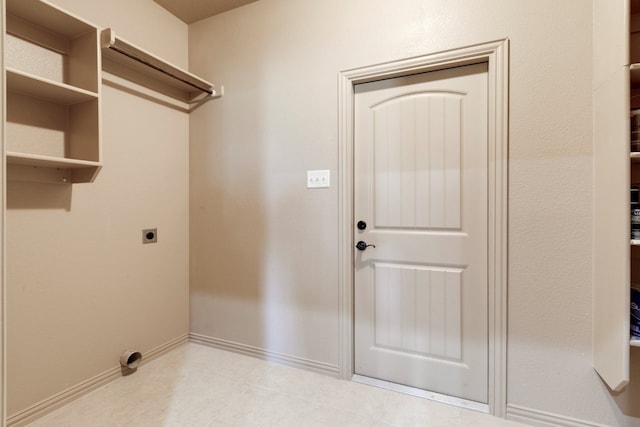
(361,225)
(362,245)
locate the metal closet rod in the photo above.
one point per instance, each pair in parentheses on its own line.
(155,67)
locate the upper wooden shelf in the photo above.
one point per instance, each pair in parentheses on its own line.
(141,61)
(38,87)
(47,17)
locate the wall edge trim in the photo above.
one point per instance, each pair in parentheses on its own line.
(85,387)
(536,417)
(270,356)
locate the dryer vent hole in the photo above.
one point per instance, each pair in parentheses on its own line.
(130,359)
(133,360)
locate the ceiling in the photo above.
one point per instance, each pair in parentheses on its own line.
(194,10)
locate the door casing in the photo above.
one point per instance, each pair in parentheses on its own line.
(496,55)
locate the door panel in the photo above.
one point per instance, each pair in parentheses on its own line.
(425,328)
(422,166)
(421,184)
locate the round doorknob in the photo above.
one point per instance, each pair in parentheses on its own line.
(362,245)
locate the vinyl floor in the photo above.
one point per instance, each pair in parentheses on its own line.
(199,386)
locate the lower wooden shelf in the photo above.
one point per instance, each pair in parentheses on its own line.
(35,167)
(48,161)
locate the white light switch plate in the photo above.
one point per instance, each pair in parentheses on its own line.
(318,179)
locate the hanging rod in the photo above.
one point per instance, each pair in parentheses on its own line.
(168,73)
(116,44)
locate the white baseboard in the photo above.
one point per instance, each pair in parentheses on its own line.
(67,396)
(544,419)
(260,353)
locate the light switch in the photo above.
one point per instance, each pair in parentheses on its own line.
(318,179)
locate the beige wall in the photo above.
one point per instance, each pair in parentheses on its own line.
(264,249)
(81,286)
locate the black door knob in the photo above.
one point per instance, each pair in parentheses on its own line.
(361,225)
(362,245)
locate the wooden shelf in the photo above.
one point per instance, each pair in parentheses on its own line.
(45,16)
(616,265)
(190,86)
(52,111)
(37,87)
(48,161)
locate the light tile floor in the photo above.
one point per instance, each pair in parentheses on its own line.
(200,386)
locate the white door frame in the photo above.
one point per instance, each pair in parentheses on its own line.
(496,55)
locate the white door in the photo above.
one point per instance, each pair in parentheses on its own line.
(421,303)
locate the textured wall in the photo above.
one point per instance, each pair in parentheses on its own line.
(264,249)
(81,287)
